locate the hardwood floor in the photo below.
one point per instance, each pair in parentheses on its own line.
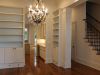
(38,67)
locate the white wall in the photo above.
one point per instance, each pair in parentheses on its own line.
(16,3)
(84,53)
(66,3)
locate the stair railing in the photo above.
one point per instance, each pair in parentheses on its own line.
(92,33)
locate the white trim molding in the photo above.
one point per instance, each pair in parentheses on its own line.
(93,64)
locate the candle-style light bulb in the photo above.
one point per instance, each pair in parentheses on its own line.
(43,7)
(37,6)
(30,8)
(46,10)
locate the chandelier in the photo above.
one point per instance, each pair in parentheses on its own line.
(37,13)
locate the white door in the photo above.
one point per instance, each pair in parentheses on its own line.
(19,55)
(9,55)
(1,55)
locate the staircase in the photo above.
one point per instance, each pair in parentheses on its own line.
(93,33)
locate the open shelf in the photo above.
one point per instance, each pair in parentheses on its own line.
(11,45)
(11,21)
(56,28)
(56,17)
(56,22)
(9,24)
(56,41)
(56,13)
(56,35)
(11,14)
(11,41)
(11,27)
(11,35)
(11,10)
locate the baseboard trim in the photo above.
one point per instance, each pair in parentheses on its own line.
(13,65)
(91,64)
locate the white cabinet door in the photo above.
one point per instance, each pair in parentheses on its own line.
(9,55)
(42,52)
(19,55)
(1,55)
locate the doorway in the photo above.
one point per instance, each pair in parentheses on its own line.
(37,41)
(78,32)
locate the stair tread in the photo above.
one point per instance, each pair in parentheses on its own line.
(93,37)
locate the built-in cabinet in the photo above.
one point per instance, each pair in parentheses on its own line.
(56,30)
(61,37)
(12,53)
(42,51)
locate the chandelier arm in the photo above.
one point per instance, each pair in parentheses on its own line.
(38,1)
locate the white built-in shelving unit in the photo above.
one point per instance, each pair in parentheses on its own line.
(56,28)
(61,38)
(56,23)
(11,37)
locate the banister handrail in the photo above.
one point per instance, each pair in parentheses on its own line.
(91,25)
(93,18)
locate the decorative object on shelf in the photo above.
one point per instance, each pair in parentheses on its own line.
(38,13)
